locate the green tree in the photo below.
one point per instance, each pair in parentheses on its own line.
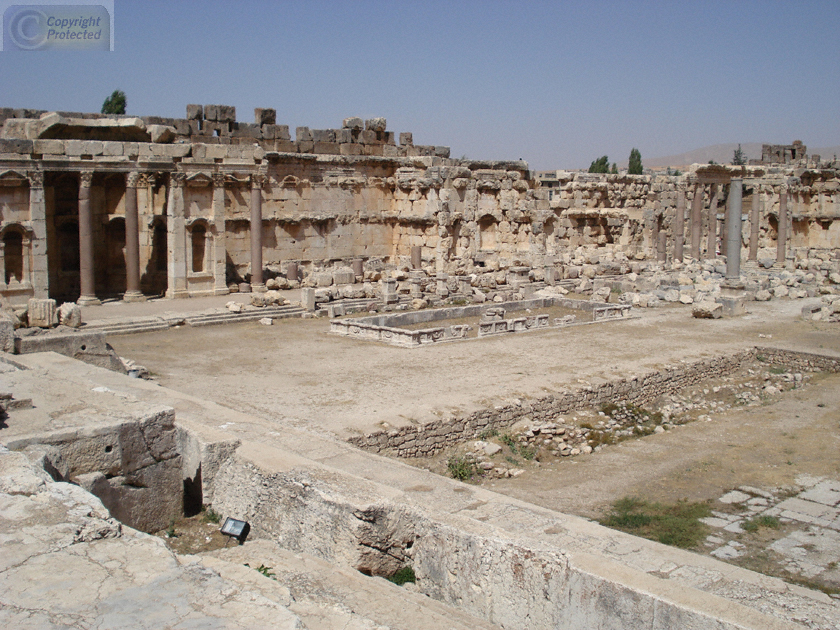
(635,165)
(601,165)
(614,169)
(114,104)
(738,158)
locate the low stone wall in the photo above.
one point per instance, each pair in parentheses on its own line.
(386,328)
(801,361)
(429,439)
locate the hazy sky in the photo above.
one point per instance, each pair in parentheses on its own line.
(555,83)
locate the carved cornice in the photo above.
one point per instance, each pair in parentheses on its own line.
(36,179)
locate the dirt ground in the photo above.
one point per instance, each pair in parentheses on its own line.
(294,372)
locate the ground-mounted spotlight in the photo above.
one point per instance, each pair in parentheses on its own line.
(236,529)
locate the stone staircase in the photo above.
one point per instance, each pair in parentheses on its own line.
(210,318)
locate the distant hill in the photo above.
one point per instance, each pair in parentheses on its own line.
(722,154)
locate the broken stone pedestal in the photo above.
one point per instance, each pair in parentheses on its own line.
(389,291)
(733,298)
(42,313)
(307,299)
(442,285)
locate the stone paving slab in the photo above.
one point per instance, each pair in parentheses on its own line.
(825,492)
(800,506)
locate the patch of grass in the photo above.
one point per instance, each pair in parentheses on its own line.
(527,452)
(586,425)
(512,460)
(403,575)
(461,468)
(753,524)
(488,433)
(676,524)
(170,531)
(776,370)
(209,515)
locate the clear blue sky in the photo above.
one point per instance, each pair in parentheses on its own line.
(555,83)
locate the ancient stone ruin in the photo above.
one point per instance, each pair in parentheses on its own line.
(400,244)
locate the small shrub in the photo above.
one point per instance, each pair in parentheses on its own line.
(461,468)
(403,575)
(609,408)
(488,433)
(266,571)
(776,370)
(508,440)
(170,531)
(527,452)
(209,515)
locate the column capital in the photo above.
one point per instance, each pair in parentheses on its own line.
(783,188)
(218,180)
(85,178)
(36,178)
(134,180)
(258,180)
(178,179)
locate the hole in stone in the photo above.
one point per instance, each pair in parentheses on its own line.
(109,448)
(84,347)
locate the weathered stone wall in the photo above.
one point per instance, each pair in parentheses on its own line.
(335,195)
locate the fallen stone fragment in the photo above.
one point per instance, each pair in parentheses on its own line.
(707,310)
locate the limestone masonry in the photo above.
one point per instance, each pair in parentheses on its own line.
(95,206)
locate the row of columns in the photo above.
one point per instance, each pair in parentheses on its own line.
(132,241)
(177,232)
(732,222)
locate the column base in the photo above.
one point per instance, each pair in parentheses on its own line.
(258,288)
(88,300)
(133,296)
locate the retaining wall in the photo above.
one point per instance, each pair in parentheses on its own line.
(429,439)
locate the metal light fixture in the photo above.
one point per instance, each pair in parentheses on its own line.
(236,529)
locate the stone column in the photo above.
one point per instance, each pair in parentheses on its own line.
(40,277)
(662,246)
(132,241)
(257,285)
(711,237)
(697,219)
(724,227)
(218,261)
(2,264)
(86,272)
(416,257)
(176,238)
(26,247)
(755,217)
(733,230)
(781,240)
(679,223)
